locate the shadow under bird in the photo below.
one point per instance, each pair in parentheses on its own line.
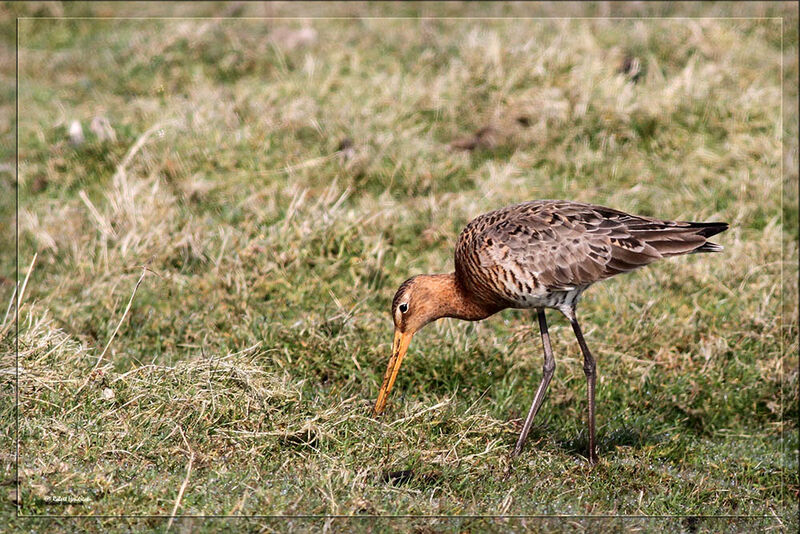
(539,254)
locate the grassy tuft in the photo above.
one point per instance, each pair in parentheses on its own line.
(280,178)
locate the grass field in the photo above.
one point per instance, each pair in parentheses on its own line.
(205,317)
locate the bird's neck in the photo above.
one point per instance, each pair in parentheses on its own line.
(453,300)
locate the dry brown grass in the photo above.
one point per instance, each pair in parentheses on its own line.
(237,379)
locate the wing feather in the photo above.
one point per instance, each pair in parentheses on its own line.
(561,245)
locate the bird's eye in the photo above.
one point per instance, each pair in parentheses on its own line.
(403,307)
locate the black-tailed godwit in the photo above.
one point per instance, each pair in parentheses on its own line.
(539,254)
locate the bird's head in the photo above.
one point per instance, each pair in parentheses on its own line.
(418,301)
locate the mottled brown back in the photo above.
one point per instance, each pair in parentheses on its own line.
(556,245)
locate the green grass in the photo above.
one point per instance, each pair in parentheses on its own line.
(248,362)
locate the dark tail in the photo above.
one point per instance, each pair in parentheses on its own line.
(707,230)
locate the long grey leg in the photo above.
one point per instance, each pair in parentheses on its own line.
(547,374)
(589,369)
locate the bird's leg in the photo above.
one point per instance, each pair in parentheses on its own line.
(589,369)
(547,374)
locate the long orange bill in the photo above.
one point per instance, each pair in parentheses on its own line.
(399,348)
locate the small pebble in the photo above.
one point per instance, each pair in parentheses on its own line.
(75,133)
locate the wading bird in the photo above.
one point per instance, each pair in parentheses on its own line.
(539,254)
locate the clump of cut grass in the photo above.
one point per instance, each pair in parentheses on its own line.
(275,189)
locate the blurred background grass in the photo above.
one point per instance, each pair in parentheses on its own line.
(280,177)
